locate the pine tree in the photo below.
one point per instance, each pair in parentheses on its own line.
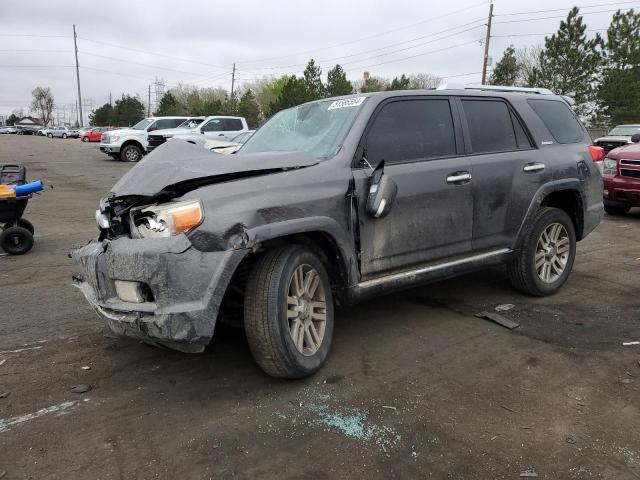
(506,70)
(313,81)
(249,109)
(294,92)
(401,83)
(569,62)
(619,92)
(169,106)
(337,83)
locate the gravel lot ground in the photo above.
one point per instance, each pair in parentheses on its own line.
(415,387)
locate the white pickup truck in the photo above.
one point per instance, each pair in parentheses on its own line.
(215,127)
(130,144)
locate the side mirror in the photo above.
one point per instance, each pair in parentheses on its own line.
(635,138)
(382,193)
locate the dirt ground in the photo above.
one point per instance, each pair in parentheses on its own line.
(415,387)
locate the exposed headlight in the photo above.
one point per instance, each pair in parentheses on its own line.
(610,166)
(167,219)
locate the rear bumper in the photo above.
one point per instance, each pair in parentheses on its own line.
(187,287)
(621,191)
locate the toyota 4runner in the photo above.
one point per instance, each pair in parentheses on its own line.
(335,201)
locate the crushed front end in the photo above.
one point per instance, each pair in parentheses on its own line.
(145,277)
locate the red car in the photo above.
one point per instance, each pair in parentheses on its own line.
(94,134)
(621,174)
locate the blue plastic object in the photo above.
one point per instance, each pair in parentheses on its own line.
(28,188)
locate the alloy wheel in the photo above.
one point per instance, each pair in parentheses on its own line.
(306,309)
(552,253)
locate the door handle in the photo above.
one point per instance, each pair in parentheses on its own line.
(534,167)
(459,177)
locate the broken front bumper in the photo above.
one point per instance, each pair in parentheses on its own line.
(187,287)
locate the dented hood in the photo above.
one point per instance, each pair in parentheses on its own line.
(176,163)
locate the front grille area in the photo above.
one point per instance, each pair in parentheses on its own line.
(155,141)
(630,162)
(625,172)
(610,145)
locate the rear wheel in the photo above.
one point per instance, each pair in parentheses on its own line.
(616,209)
(26,224)
(64,135)
(131,153)
(50,135)
(288,312)
(547,255)
(16,240)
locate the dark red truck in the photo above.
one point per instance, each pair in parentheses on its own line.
(621,174)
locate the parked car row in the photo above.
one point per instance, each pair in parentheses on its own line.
(130,144)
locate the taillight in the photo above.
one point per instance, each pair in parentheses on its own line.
(597,153)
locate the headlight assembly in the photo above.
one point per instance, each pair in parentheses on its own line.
(610,166)
(167,219)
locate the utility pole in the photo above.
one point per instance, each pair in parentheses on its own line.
(109,98)
(149,103)
(233,79)
(75,47)
(486,46)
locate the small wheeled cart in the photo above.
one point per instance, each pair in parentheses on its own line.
(17,232)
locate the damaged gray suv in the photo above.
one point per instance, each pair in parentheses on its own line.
(335,201)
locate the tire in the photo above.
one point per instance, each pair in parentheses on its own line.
(267,318)
(16,240)
(554,261)
(616,209)
(50,135)
(26,224)
(85,139)
(131,153)
(64,135)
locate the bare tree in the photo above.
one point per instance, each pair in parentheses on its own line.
(528,59)
(424,81)
(43,103)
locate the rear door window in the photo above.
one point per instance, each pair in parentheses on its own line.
(409,130)
(232,124)
(559,120)
(490,126)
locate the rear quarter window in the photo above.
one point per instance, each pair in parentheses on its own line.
(559,120)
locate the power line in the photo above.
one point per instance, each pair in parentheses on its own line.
(564,9)
(432,19)
(152,53)
(392,45)
(543,33)
(32,35)
(553,17)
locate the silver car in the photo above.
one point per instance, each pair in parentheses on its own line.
(63,132)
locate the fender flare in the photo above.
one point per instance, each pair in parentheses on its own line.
(330,227)
(545,190)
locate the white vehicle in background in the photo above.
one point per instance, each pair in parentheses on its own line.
(158,137)
(8,129)
(232,146)
(44,131)
(130,144)
(215,127)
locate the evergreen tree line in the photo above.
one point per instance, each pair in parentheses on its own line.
(602,75)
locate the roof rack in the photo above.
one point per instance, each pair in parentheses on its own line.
(496,88)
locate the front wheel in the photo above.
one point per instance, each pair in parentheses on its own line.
(288,312)
(547,255)
(131,153)
(64,135)
(50,135)
(85,139)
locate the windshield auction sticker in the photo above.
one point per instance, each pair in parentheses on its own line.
(346,103)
